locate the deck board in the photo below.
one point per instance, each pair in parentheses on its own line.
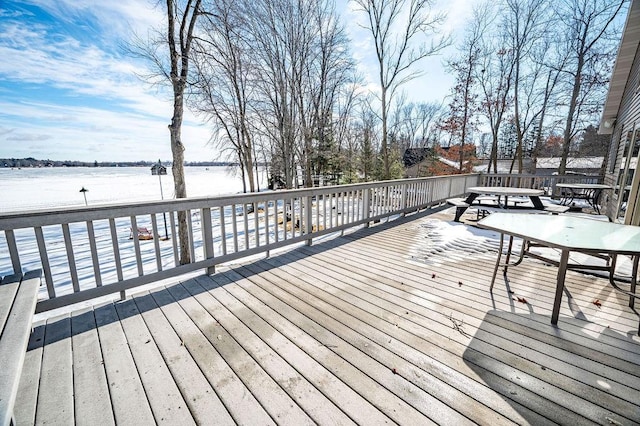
(128,398)
(264,388)
(203,402)
(91,390)
(243,407)
(546,347)
(274,369)
(398,325)
(163,394)
(55,393)
(355,329)
(324,389)
(295,325)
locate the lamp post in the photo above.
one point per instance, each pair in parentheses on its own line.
(160,170)
(84,192)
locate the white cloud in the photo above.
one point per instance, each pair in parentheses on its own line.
(94,134)
(127,119)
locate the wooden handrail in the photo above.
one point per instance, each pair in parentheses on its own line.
(86,252)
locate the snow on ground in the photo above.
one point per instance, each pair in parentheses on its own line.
(461,241)
(54,187)
(48,187)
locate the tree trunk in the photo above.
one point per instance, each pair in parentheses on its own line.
(566,147)
(385,142)
(180,187)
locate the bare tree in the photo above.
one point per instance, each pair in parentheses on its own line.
(495,74)
(550,60)
(328,69)
(223,64)
(427,115)
(590,24)
(523,26)
(178,37)
(400,30)
(464,108)
(181,24)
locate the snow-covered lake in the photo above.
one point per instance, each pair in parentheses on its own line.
(38,188)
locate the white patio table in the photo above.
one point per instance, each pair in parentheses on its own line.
(569,234)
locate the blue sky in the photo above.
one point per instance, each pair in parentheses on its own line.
(69,92)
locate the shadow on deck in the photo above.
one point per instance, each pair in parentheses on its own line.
(391,324)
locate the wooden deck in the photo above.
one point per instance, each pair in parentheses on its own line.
(391,324)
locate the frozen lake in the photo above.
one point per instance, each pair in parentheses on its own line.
(42,188)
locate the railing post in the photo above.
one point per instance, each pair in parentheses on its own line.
(403,202)
(308,213)
(207,237)
(366,195)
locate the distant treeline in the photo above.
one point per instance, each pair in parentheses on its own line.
(32,162)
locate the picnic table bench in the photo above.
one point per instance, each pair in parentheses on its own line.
(490,199)
(18,297)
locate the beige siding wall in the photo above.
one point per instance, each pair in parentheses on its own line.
(628,119)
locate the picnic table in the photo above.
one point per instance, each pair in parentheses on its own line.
(501,194)
(568,234)
(590,192)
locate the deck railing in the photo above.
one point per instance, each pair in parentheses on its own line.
(545,182)
(88,252)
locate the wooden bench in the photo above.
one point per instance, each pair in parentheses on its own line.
(18,297)
(461,206)
(556,209)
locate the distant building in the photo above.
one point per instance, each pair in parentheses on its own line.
(590,166)
(158,169)
(413,156)
(575,165)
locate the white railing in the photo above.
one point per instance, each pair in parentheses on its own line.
(545,182)
(88,252)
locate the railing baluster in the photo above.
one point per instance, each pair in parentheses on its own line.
(276,220)
(256,223)
(94,253)
(207,237)
(245,222)
(192,246)
(13,251)
(116,248)
(70,257)
(308,213)
(44,260)
(317,221)
(156,241)
(234,223)
(174,239)
(136,245)
(267,239)
(293,217)
(223,232)
(284,219)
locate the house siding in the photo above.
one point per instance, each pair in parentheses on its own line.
(628,118)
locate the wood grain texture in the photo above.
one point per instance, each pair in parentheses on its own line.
(391,324)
